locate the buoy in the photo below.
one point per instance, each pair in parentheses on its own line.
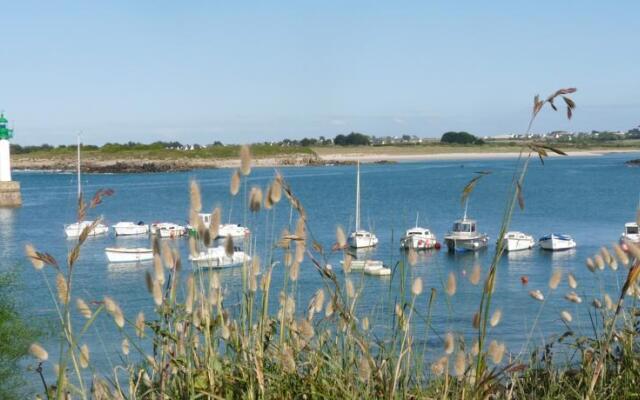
(524,279)
(437,246)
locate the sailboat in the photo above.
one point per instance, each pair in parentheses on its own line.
(75,230)
(360,238)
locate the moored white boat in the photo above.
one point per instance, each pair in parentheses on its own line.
(377,270)
(418,239)
(631,233)
(516,241)
(556,242)
(168,230)
(125,254)
(216,257)
(75,230)
(357,265)
(360,238)
(130,228)
(234,230)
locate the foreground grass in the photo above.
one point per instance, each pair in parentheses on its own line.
(316,344)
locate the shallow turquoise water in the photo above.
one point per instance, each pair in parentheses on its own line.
(589,198)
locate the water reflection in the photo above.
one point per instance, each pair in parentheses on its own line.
(7,217)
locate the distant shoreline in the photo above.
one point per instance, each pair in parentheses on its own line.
(132,163)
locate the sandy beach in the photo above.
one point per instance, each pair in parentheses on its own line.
(132,163)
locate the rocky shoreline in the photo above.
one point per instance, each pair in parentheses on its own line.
(160,166)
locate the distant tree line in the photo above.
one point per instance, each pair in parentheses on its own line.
(460,138)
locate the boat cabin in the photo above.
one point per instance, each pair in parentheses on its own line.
(631,228)
(418,231)
(464,225)
(361,234)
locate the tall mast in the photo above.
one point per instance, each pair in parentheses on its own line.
(417,216)
(78,166)
(358,198)
(466,203)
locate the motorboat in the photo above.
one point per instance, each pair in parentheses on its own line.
(168,230)
(125,254)
(216,257)
(234,230)
(464,235)
(130,228)
(556,242)
(360,238)
(75,230)
(631,233)
(357,265)
(418,238)
(516,241)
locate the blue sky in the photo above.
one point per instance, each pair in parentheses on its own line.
(243,72)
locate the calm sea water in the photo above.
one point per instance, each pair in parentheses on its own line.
(588,197)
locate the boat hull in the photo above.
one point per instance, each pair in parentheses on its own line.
(216,258)
(466,244)
(362,241)
(128,255)
(418,242)
(518,241)
(556,244)
(75,230)
(130,230)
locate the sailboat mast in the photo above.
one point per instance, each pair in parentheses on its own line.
(417,216)
(358,198)
(78,167)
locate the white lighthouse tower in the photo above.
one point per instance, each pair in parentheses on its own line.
(9,190)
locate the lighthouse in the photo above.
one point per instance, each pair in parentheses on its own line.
(9,190)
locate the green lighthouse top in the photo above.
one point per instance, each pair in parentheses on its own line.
(5,133)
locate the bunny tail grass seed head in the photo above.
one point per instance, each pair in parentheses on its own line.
(590,264)
(37,351)
(245,160)
(276,190)
(157,293)
(125,346)
(349,288)
(451,284)
(459,366)
(622,256)
(449,343)
(255,199)
(536,294)
(475,321)
(496,351)
(31,253)
(140,325)
(566,316)
(84,356)
(228,246)
(599,261)
(63,289)
(475,275)
(555,279)
(234,187)
(416,288)
(158,269)
(573,297)
(195,197)
(341,238)
(495,318)
(83,308)
(439,367)
(571,280)
(364,370)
